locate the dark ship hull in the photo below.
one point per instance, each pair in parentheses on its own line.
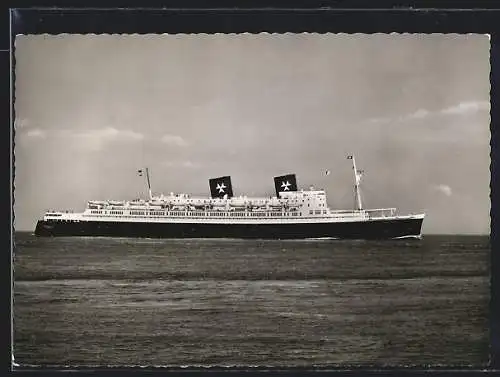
(371,229)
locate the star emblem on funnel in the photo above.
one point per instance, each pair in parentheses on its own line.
(285,185)
(221,187)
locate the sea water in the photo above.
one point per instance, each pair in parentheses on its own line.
(144,302)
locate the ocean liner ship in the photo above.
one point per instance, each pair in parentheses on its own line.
(291,214)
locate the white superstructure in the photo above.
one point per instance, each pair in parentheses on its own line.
(302,206)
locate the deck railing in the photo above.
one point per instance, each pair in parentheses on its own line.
(381,212)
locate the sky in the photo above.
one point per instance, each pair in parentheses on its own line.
(90,110)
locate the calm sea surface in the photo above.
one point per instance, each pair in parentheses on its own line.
(126,302)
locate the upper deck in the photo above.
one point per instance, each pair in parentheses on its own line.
(289,207)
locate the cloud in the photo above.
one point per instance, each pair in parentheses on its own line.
(467,108)
(419,114)
(378,120)
(444,189)
(181,164)
(174,140)
(35,133)
(110,133)
(463,108)
(95,139)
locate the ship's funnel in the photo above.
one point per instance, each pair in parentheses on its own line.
(221,187)
(285,183)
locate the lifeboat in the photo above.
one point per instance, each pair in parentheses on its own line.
(238,202)
(275,202)
(198,202)
(156,201)
(218,204)
(116,203)
(178,208)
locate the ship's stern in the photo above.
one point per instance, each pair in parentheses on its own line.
(43,228)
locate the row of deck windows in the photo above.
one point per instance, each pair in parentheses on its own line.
(317,212)
(204,214)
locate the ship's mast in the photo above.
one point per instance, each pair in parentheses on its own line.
(357,179)
(149,184)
